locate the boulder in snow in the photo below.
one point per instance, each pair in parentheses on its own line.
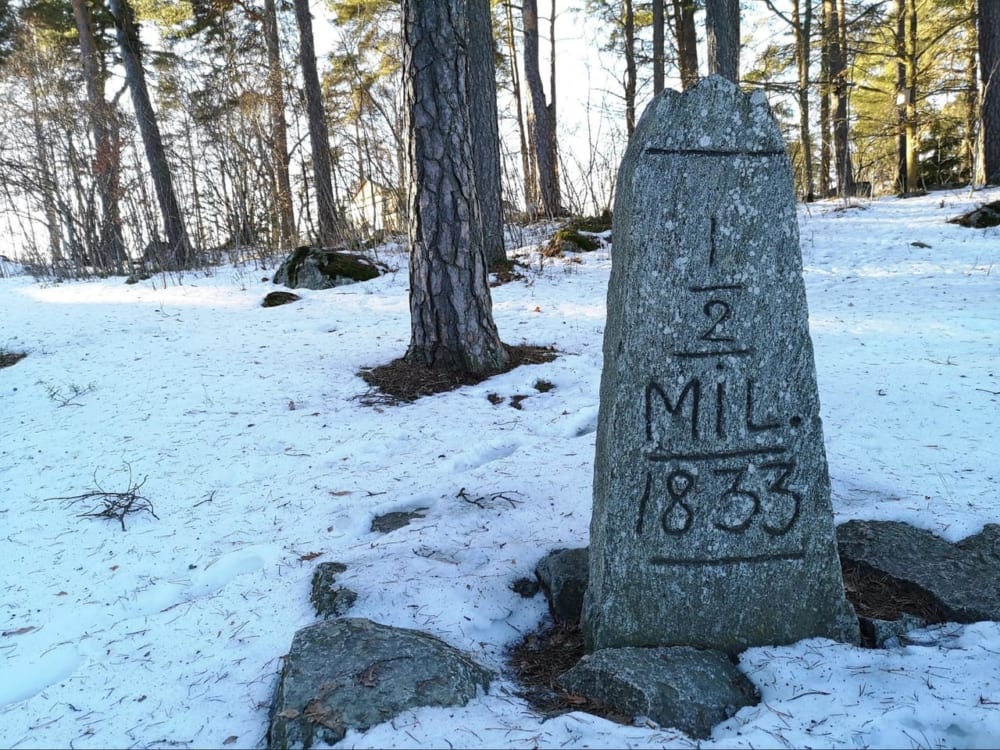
(355,673)
(315,268)
(682,687)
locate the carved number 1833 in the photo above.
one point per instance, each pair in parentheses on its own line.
(737,507)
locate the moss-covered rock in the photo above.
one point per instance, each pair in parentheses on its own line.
(570,240)
(315,268)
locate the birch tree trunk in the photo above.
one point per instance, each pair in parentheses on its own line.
(451,315)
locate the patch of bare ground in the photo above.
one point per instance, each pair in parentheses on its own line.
(402,381)
(9,359)
(540,657)
(505,272)
(877,596)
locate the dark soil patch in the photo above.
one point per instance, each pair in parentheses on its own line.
(878,596)
(402,381)
(9,359)
(538,660)
(505,273)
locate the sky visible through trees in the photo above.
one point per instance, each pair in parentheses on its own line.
(904,104)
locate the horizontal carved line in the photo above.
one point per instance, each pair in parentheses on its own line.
(719,353)
(762,451)
(709,152)
(718,561)
(716,287)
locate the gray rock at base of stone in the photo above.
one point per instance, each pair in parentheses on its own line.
(315,268)
(355,673)
(889,633)
(962,580)
(682,687)
(712,524)
(563,575)
(328,598)
(984,547)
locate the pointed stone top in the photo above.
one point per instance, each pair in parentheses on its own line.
(716,116)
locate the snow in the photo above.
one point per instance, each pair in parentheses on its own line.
(260,461)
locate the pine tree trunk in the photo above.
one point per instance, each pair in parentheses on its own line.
(659,56)
(485,130)
(181,255)
(279,129)
(802,27)
(544,126)
(451,314)
(630,69)
(106,166)
(912,167)
(686,39)
(970,153)
(838,82)
(319,134)
(722,22)
(989,70)
(825,129)
(531,206)
(48,187)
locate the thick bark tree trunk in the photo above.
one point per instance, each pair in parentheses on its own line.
(544,124)
(149,129)
(686,38)
(451,314)
(279,129)
(319,134)
(485,130)
(107,159)
(989,70)
(722,22)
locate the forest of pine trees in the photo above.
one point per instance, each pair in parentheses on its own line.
(171,131)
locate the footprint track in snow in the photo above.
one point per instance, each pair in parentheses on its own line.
(483,455)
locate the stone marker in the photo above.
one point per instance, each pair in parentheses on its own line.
(712,523)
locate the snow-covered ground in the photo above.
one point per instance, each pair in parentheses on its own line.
(260,462)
